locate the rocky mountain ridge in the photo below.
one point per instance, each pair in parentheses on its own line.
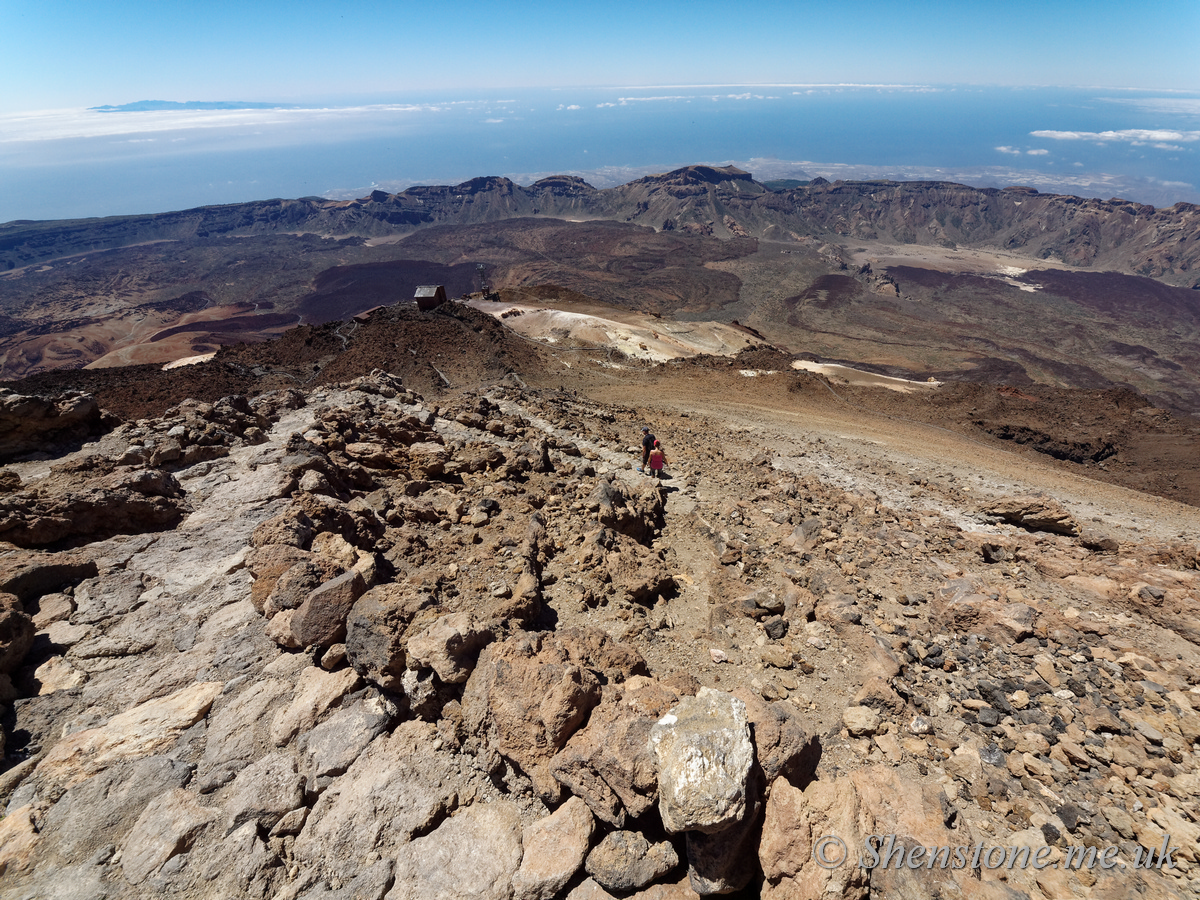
(725,202)
(883,274)
(351,642)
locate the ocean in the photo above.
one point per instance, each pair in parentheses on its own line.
(1139,145)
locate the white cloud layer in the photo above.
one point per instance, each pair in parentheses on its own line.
(1127,136)
(1161,106)
(847,85)
(60,124)
(882,88)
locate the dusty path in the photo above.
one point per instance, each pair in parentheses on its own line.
(914,465)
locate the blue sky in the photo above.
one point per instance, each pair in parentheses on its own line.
(70,54)
(398,93)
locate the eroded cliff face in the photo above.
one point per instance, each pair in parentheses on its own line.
(393,648)
(1105,234)
(724,202)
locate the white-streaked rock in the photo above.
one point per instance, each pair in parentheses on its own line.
(704,755)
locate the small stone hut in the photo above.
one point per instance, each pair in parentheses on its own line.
(430,296)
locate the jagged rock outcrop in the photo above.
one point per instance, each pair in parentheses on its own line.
(527,697)
(609,763)
(113,500)
(36,424)
(552,851)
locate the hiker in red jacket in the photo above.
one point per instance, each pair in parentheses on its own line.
(658,459)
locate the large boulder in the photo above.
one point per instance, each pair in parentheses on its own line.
(472,856)
(267,564)
(609,763)
(377,631)
(1034,513)
(780,742)
(298,581)
(359,525)
(632,512)
(553,849)
(321,619)
(525,699)
(619,566)
(704,758)
(960,607)
(725,862)
(625,861)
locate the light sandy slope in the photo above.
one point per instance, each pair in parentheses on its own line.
(946,259)
(859,378)
(635,334)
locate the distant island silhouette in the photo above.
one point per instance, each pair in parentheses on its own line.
(158,105)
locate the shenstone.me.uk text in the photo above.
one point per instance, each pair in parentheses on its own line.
(885,851)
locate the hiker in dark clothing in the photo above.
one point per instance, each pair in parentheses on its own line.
(647,446)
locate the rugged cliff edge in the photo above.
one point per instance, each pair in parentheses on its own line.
(726,202)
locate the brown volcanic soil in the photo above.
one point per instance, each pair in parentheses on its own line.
(81,309)
(1101,436)
(467,346)
(613,262)
(1065,328)
(343,291)
(1112,436)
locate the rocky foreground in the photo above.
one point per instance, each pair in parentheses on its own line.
(354,644)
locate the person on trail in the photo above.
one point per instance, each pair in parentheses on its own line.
(658,459)
(648,443)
